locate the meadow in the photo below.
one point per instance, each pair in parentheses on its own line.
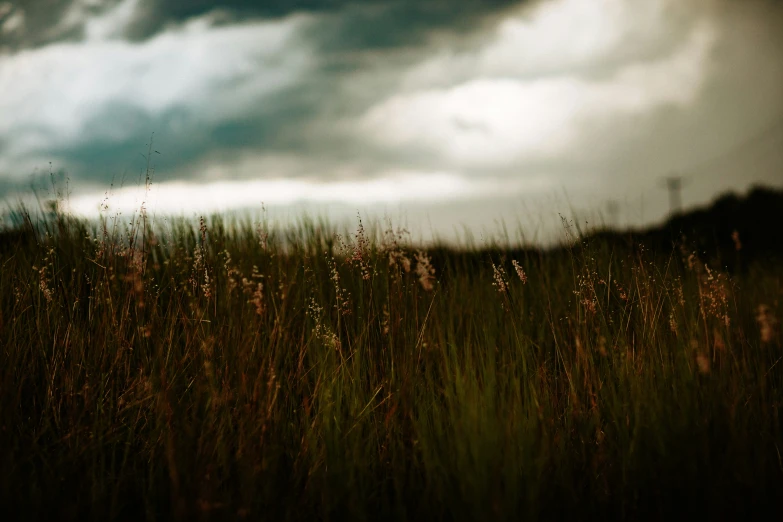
(229,371)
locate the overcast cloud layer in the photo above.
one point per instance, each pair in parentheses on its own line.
(457,108)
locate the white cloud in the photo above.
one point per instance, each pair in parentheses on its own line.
(13,23)
(390,188)
(491,120)
(555,37)
(569,34)
(111,23)
(96,23)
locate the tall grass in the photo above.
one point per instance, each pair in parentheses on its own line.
(233,372)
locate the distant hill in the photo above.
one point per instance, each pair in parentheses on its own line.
(757,219)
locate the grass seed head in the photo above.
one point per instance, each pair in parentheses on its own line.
(425,270)
(499,279)
(520,272)
(767,322)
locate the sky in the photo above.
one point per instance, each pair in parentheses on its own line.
(445,115)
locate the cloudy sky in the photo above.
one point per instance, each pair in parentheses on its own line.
(442,112)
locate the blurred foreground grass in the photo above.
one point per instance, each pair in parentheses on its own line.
(226,372)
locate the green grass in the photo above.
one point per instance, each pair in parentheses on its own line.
(177,373)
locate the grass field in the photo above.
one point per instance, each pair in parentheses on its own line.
(228,372)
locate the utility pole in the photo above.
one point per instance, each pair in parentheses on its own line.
(674,186)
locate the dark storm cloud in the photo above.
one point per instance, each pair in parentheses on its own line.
(364,24)
(291,121)
(368,23)
(182,139)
